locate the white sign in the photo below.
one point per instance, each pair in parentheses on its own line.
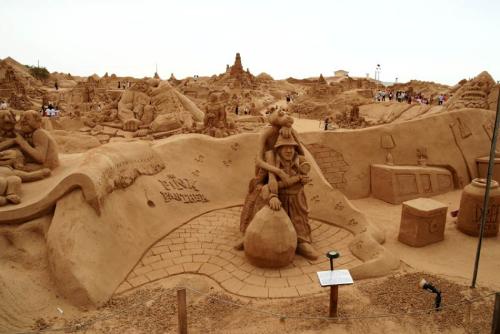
(335,277)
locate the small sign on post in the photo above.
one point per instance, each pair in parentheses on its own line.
(334,278)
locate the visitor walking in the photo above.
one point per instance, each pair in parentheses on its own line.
(440,99)
(327,121)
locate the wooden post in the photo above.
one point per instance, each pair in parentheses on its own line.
(495,328)
(182,311)
(334,297)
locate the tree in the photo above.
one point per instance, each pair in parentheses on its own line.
(41,73)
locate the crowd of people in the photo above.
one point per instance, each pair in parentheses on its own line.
(409,97)
(124,84)
(46,110)
(49,111)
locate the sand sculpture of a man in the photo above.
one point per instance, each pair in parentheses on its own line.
(281,173)
(216,122)
(13,170)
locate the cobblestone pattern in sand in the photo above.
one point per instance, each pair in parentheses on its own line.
(205,246)
(331,163)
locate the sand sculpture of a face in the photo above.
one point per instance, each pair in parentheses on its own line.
(7,121)
(29,122)
(286,152)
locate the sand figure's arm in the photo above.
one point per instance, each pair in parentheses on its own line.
(32,176)
(259,160)
(7,143)
(272,181)
(274,201)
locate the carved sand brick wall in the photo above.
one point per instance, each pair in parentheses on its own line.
(332,164)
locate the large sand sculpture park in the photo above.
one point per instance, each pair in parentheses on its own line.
(115,192)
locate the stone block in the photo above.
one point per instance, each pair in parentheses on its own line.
(422,222)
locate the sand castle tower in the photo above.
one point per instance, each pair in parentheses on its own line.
(237,68)
(236,76)
(321,79)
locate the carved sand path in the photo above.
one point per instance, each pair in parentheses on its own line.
(204,246)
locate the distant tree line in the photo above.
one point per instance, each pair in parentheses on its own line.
(40,73)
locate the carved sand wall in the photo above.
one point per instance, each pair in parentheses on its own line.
(453,140)
(331,163)
(97,173)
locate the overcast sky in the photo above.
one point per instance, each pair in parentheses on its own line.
(439,40)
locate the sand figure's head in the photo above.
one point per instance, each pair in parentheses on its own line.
(7,120)
(30,121)
(286,148)
(280,118)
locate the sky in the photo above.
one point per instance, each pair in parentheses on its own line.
(440,40)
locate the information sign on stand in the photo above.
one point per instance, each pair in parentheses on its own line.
(334,278)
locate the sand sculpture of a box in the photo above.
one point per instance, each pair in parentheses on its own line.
(396,184)
(422,222)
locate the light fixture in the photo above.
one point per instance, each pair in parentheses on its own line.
(431,288)
(332,255)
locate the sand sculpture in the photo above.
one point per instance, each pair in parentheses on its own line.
(423,222)
(337,97)
(24,157)
(89,100)
(36,144)
(238,89)
(121,223)
(281,172)
(216,122)
(129,221)
(150,107)
(237,77)
(173,80)
(10,183)
(20,102)
(16,82)
(350,118)
(475,94)
(471,203)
